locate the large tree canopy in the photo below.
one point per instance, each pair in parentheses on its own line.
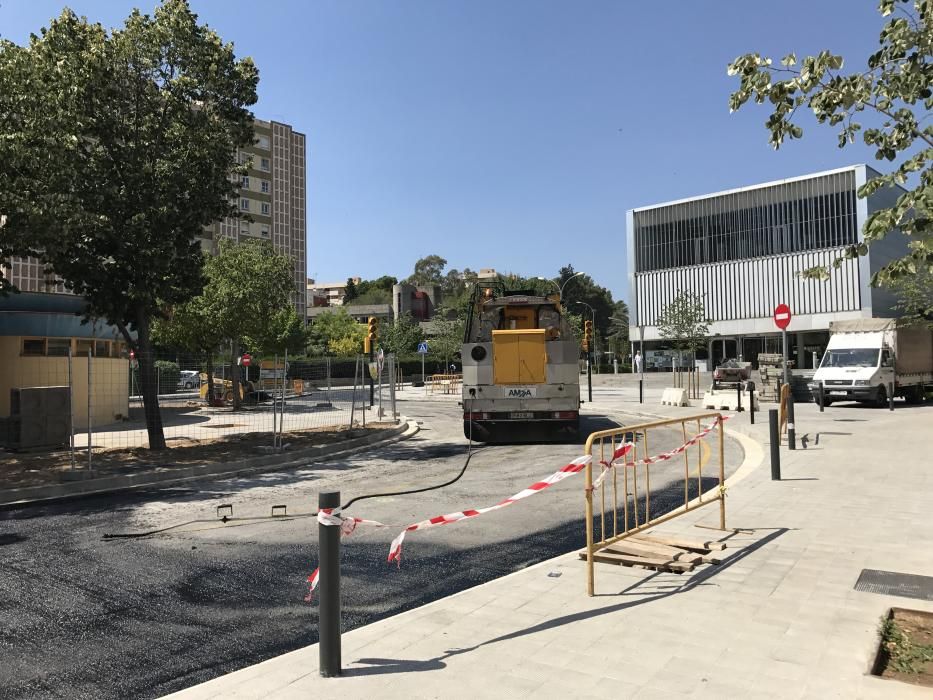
(116,151)
(891,96)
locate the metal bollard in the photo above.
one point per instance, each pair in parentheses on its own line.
(751,404)
(822,396)
(891,396)
(738,392)
(791,428)
(641,391)
(329,586)
(775,445)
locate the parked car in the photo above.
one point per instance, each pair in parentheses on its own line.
(188,379)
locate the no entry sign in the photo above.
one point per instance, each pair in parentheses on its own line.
(247,359)
(782,316)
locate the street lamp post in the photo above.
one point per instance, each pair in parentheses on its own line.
(560,287)
(641,351)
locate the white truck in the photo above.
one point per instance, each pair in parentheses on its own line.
(866,357)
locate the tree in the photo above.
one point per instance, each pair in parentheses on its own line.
(116,151)
(428,271)
(447,336)
(402,337)
(332,329)
(350,291)
(892,97)
(915,297)
(247,296)
(618,327)
(683,322)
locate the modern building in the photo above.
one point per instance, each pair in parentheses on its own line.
(359,313)
(327,293)
(420,302)
(742,251)
(272,194)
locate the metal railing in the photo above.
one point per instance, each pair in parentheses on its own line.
(628,449)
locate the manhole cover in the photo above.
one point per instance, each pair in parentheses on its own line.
(894,583)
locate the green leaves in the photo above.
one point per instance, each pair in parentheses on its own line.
(881,104)
(683,322)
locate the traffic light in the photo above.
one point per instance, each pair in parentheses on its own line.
(587,335)
(372,335)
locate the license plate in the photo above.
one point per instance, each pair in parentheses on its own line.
(837,393)
(524,415)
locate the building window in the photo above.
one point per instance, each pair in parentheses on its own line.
(264,164)
(262,142)
(244,204)
(265,186)
(244,182)
(83,348)
(58,347)
(264,231)
(264,207)
(33,347)
(102,348)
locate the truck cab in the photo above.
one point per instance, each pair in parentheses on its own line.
(855,368)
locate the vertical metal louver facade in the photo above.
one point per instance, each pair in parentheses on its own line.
(741,251)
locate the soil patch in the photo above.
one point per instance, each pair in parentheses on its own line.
(34,469)
(906,649)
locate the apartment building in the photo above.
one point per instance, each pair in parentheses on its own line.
(272,195)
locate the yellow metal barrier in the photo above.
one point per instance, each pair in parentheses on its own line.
(635,506)
(448,383)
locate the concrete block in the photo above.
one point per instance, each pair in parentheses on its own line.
(674,397)
(727,400)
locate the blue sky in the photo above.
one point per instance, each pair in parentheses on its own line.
(516,134)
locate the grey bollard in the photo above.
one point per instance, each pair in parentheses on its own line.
(751,404)
(791,428)
(891,396)
(329,586)
(775,444)
(738,393)
(822,396)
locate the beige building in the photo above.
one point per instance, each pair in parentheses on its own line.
(272,194)
(327,293)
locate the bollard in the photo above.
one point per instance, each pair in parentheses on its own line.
(791,428)
(822,396)
(329,586)
(641,392)
(738,392)
(891,396)
(775,445)
(751,404)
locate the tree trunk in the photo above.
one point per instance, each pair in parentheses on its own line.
(235,373)
(210,378)
(148,382)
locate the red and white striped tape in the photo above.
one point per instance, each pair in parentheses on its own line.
(627,447)
(332,517)
(577,465)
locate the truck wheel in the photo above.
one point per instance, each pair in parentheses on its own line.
(881,399)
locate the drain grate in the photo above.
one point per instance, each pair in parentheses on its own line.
(894,583)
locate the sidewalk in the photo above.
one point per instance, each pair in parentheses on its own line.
(779,618)
(229,459)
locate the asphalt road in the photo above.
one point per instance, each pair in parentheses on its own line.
(84,617)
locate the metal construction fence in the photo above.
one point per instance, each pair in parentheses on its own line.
(78,398)
(628,460)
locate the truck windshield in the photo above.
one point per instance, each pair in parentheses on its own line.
(854,357)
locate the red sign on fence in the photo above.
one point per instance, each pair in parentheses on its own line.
(247,358)
(782,316)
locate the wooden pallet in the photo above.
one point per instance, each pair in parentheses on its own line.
(660,552)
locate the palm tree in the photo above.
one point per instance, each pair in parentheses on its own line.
(618,326)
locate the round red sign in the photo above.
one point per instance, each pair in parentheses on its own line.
(782,316)
(247,358)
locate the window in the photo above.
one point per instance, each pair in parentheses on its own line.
(262,142)
(244,204)
(264,231)
(244,182)
(264,164)
(58,347)
(265,208)
(102,348)
(83,348)
(33,347)
(265,186)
